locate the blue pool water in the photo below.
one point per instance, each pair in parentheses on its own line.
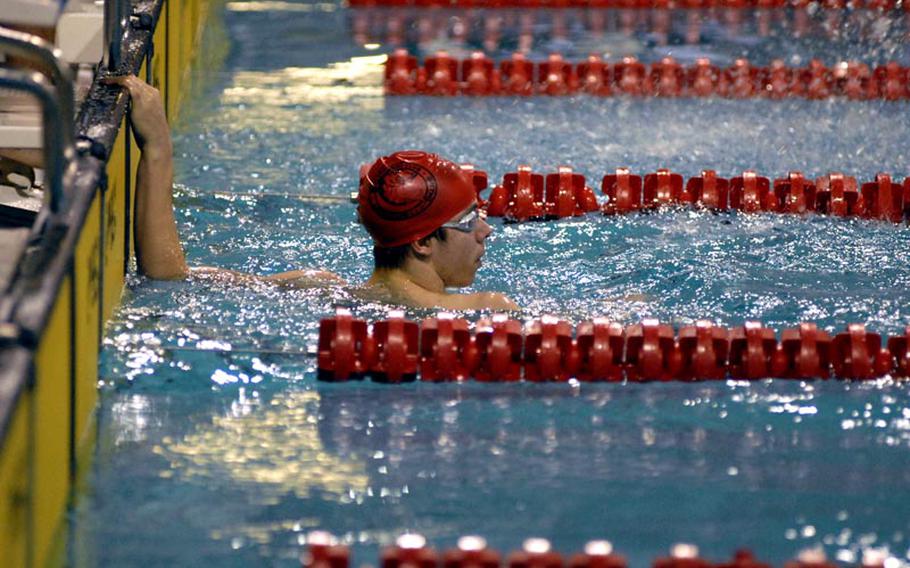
(217,446)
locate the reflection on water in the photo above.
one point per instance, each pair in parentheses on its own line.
(779,465)
(275,447)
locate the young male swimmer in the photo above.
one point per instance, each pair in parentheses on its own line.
(420,209)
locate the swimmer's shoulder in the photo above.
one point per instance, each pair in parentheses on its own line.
(406,293)
(496,301)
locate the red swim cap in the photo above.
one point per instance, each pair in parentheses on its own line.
(408,195)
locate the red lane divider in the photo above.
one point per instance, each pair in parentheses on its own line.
(499,349)
(443,75)
(525,195)
(881,5)
(402,26)
(411,550)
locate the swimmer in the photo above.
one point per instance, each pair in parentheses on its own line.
(421,211)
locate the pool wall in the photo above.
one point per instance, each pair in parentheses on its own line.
(68,283)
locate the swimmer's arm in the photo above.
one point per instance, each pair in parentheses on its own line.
(291,279)
(158,250)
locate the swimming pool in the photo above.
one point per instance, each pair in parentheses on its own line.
(217,445)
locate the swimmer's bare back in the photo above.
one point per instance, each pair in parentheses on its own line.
(395,287)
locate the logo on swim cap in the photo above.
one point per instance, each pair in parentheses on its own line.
(404,191)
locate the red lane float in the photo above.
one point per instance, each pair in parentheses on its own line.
(517,76)
(750,193)
(471,552)
(447,349)
(323,551)
(668,78)
(595,77)
(804,353)
(708,190)
(630,76)
(818,81)
(703,78)
(883,199)
(479,179)
(395,341)
(535,553)
(857,354)
(794,194)
(549,352)
(598,554)
(778,80)
(682,556)
(412,551)
(899,347)
(519,197)
(752,351)
(525,195)
(401,73)
(743,559)
(739,81)
(836,194)
(662,188)
(441,75)
(556,76)
(892,81)
(651,352)
(703,351)
(878,5)
(499,347)
(478,75)
(812,558)
(623,191)
(345,349)
(568,195)
(600,344)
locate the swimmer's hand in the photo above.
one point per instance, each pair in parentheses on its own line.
(147,116)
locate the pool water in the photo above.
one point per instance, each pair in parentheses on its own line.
(217,446)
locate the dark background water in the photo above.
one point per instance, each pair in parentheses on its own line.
(217,446)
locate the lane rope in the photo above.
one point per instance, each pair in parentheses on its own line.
(412,551)
(500,349)
(478,75)
(525,195)
(879,5)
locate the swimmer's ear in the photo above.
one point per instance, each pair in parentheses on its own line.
(421,247)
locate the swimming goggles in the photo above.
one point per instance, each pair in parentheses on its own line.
(468,221)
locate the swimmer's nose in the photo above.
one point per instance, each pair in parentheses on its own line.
(483,228)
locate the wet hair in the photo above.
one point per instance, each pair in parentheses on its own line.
(394,257)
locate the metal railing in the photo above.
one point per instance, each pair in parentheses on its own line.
(116,22)
(56,98)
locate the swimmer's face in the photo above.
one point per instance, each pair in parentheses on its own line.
(457,258)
